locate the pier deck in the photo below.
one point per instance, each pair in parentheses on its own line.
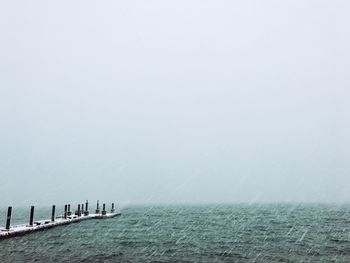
(40,225)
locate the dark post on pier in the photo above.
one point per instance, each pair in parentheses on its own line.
(31,217)
(8,219)
(65,211)
(86,212)
(112,210)
(69,212)
(53,213)
(104,212)
(78,210)
(97,208)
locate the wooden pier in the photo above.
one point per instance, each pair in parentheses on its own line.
(67,217)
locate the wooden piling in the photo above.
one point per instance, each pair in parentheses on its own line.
(31,217)
(112,210)
(65,211)
(86,212)
(69,213)
(97,208)
(79,213)
(104,212)
(53,213)
(8,219)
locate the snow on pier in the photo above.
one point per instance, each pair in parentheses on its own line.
(66,218)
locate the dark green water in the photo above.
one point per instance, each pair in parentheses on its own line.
(237,233)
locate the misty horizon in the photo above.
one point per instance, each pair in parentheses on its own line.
(186,102)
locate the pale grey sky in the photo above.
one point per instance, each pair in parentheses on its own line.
(174,101)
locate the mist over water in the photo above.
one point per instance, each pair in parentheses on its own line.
(214,233)
(174,101)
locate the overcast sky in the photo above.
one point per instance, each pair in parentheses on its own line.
(174,101)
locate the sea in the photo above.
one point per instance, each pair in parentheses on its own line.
(190,233)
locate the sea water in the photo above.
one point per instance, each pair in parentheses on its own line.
(206,233)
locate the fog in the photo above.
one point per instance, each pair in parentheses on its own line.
(174,101)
